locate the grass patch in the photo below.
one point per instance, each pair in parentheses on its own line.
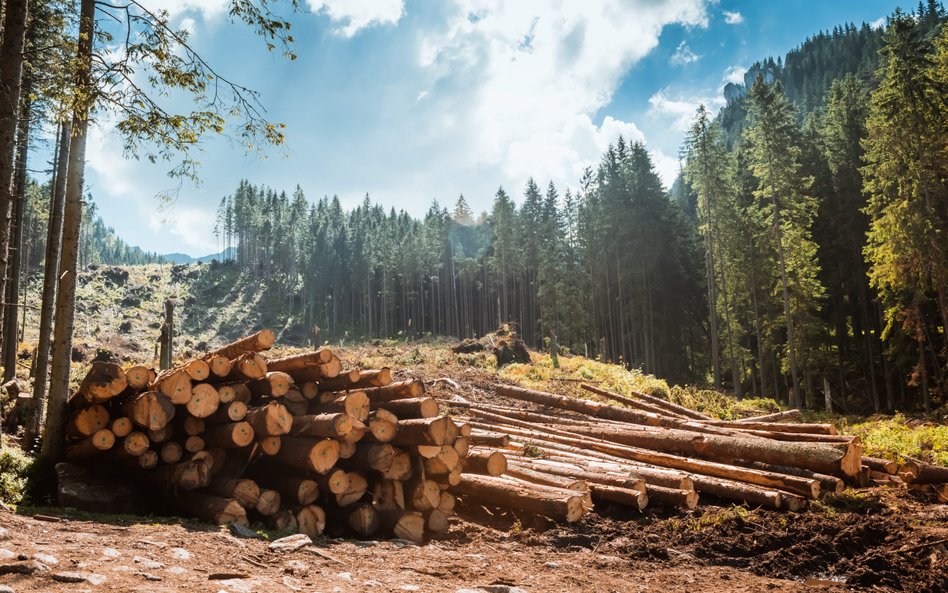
(897,436)
(15,468)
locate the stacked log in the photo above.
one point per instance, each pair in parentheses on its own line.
(295,441)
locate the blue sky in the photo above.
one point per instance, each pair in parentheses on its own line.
(412,101)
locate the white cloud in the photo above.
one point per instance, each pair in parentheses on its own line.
(684,55)
(733,18)
(535,74)
(735,74)
(359,14)
(681,110)
(207,8)
(667,167)
(878,23)
(186,224)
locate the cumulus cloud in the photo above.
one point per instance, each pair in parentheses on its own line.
(684,55)
(733,18)
(735,74)
(680,110)
(536,74)
(878,23)
(359,14)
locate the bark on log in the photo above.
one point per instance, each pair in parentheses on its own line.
(827,429)
(364,380)
(632,403)
(409,388)
(101,440)
(672,497)
(509,492)
(488,438)
(296,362)
(318,455)
(775,417)
(881,465)
(921,472)
(222,511)
(104,381)
(426,431)
(333,426)
(258,342)
(828,483)
(487,463)
(415,407)
(274,384)
(321,372)
(743,492)
(668,408)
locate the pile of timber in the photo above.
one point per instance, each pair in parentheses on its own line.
(295,442)
(669,454)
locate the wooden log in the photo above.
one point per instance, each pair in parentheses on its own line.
(609,465)
(749,493)
(371,457)
(133,445)
(151,410)
(311,520)
(258,342)
(121,426)
(233,411)
(426,431)
(174,383)
(104,381)
(204,400)
(320,372)
(193,444)
(389,494)
(310,389)
(830,458)
(313,454)
(355,404)
(415,407)
(295,362)
(87,421)
(409,388)
(632,403)
(436,521)
(138,377)
(270,445)
(148,459)
(214,509)
(247,367)
(197,369)
(363,519)
(527,474)
(509,492)
(487,463)
(488,438)
(273,384)
(578,473)
(268,504)
(161,435)
(805,486)
(334,481)
(346,449)
(272,419)
(285,520)
(293,489)
(406,525)
(775,417)
(333,426)
(354,492)
(881,465)
(228,436)
(192,426)
(827,429)
(365,379)
(941,492)
(295,395)
(663,406)
(672,497)
(171,452)
(445,462)
(422,494)
(828,483)
(462,446)
(401,467)
(219,365)
(383,425)
(101,440)
(920,472)
(637,499)
(245,491)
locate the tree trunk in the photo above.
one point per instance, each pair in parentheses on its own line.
(50,275)
(72,220)
(15,256)
(11,56)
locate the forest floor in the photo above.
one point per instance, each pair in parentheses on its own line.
(870,539)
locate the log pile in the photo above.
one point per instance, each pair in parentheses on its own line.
(295,442)
(670,455)
(302,444)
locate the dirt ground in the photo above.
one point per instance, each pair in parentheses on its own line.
(886,545)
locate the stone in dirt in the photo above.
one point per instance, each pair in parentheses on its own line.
(6,554)
(23,567)
(241,531)
(6,589)
(78,577)
(4,534)
(290,543)
(46,558)
(501,589)
(147,563)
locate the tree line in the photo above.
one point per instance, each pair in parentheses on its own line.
(799,255)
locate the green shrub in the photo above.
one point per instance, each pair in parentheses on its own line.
(14,467)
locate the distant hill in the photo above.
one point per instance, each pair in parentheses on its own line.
(183,258)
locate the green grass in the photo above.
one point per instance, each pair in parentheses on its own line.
(15,468)
(893,437)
